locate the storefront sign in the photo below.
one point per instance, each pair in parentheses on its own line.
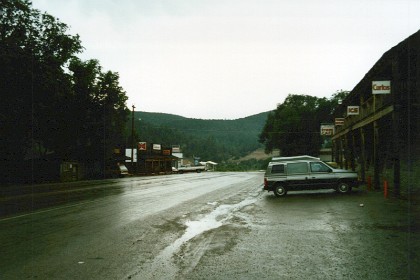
(352,110)
(128,155)
(142,146)
(339,121)
(327,129)
(381,87)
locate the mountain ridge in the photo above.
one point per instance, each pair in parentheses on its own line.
(161,115)
(218,140)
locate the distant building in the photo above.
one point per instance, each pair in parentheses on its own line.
(151,159)
(180,159)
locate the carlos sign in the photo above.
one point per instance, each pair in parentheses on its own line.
(381,87)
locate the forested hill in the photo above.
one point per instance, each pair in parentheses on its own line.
(216,140)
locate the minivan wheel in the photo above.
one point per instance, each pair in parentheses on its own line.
(280,190)
(343,187)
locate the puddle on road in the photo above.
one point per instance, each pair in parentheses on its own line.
(163,265)
(213,220)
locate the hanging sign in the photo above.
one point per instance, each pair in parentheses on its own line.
(157,147)
(327,129)
(352,110)
(339,121)
(381,87)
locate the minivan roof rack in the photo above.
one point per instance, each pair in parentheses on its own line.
(294,158)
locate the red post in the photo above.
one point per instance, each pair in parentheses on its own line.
(385,189)
(369,183)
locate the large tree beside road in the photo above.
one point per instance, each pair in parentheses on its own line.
(41,108)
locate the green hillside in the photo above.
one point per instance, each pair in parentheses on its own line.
(217,140)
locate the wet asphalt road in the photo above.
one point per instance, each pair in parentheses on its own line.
(207,226)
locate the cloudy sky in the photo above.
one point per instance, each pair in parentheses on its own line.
(228,59)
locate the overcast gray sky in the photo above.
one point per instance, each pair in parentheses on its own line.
(229,59)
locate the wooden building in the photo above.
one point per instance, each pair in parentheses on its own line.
(380,115)
(155,159)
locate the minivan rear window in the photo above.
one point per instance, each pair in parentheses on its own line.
(278,168)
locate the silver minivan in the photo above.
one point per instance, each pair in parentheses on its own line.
(285,174)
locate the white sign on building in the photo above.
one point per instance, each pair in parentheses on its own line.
(157,147)
(327,129)
(176,149)
(128,154)
(352,110)
(381,87)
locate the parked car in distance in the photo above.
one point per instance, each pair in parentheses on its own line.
(285,174)
(123,170)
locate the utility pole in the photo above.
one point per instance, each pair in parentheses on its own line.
(132,137)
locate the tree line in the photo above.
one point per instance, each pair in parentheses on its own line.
(53,105)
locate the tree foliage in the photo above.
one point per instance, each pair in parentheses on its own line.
(51,102)
(294,127)
(33,48)
(100,102)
